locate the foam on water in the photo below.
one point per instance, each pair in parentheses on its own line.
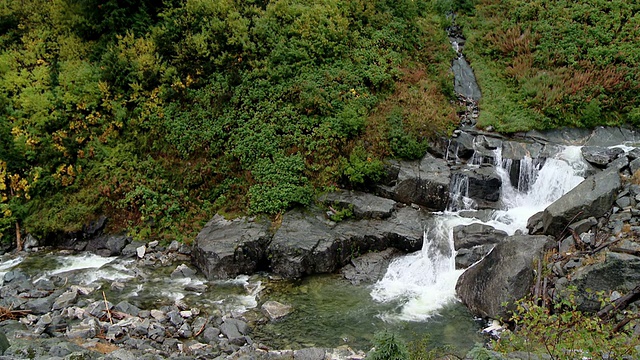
(423,282)
(99,265)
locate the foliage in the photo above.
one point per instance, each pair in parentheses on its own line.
(564,332)
(388,347)
(158,113)
(547,64)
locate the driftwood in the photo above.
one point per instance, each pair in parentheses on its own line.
(621,303)
(625,251)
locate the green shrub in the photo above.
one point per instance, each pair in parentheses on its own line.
(388,347)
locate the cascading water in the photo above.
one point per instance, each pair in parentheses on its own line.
(423,282)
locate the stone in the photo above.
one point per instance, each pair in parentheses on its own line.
(227,248)
(140,251)
(87,329)
(468,257)
(424,183)
(482,183)
(126,308)
(363,205)
(464,82)
(517,150)
(600,156)
(310,354)
(463,145)
(185,331)
(65,300)
(591,198)
(41,305)
(210,334)
(369,267)
(468,236)
(503,276)
(182,271)
(275,310)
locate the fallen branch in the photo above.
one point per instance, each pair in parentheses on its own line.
(106,305)
(625,251)
(619,304)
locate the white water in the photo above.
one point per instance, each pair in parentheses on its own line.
(423,282)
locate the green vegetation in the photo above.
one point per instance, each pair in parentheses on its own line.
(158,114)
(544,64)
(561,331)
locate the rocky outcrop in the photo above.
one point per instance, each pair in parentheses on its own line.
(482,183)
(464,79)
(307,242)
(424,183)
(592,197)
(503,276)
(227,248)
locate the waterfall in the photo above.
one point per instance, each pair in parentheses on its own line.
(423,282)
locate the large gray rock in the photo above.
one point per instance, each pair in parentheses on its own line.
(462,145)
(363,205)
(469,236)
(592,197)
(227,248)
(611,136)
(517,150)
(307,244)
(503,276)
(482,183)
(464,80)
(370,267)
(304,244)
(4,343)
(600,156)
(424,183)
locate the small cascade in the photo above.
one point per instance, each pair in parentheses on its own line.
(423,282)
(459,194)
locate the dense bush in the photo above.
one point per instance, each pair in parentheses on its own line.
(546,64)
(158,114)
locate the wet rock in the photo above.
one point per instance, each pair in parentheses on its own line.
(469,236)
(463,145)
(363,205)
(505,275)
(424,183)
(468,257)
(600,156)
(482,183)
(227,248)
(369,267)
(517,150)
(275,310)
(464,79)
(591,198)
(41,305)
(182,271)
(230,331)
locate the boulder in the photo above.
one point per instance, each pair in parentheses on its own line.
(424,183)
(462,145)
(483,183)
(227,248)
(600,156)
(517,150)
(611,136)
(468,257)
(275,310)
(464,80)
(369,267)
(469,236)
(566,136)
(303,245)
(503,276)
(363,205)
(592,197)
